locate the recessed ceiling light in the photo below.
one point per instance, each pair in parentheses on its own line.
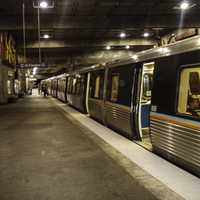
(43,4)
(184,5)
(108,47)
(146,34)
(122,35)
(46,36)
(127,47)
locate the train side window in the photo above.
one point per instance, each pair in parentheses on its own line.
(97,87)
(82,86)
(69,85)
(78,86)
(147,86)
(119,85)
(115,88)
(189,92)
(74,85)
(97,84)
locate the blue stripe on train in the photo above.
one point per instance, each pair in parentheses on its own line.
(145,115)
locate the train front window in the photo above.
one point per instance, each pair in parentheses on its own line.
(189,92)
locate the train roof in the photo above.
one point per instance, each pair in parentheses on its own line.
(187,45)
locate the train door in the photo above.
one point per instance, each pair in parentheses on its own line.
(146,83)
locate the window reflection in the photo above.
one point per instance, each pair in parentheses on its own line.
(189,92)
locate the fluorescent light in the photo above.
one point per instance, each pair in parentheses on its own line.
(164,50)
(43,4)
(135,57)
(46,36)
(122,35)
(146,34)
(34,70)
(184,5)
(127,47)
(108,47)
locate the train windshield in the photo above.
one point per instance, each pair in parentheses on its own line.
(189,92)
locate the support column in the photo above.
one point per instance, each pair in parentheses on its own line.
(3,84)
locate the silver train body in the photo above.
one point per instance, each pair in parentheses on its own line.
(151,98)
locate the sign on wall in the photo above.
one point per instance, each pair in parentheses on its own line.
(7,49)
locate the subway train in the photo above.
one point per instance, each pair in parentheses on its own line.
(152,97)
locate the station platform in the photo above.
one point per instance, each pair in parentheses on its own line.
(49,151)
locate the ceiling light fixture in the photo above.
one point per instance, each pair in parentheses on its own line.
(127,47)
(184,5)
(135,57)
(122,35)
(46,36)
(43,4)
(108,47)
(146,34)
(35,70)
(164,50)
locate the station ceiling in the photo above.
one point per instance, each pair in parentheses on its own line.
(89,24)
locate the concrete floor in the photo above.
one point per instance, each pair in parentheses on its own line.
(44,156)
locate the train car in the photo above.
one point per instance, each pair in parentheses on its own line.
(76,91)
(96,93)
(175,109)
(61,88)
(48,84)
(165,100)
(54,87)
(152,97)
(114,93)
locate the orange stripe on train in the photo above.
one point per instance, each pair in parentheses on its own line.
(174,121)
